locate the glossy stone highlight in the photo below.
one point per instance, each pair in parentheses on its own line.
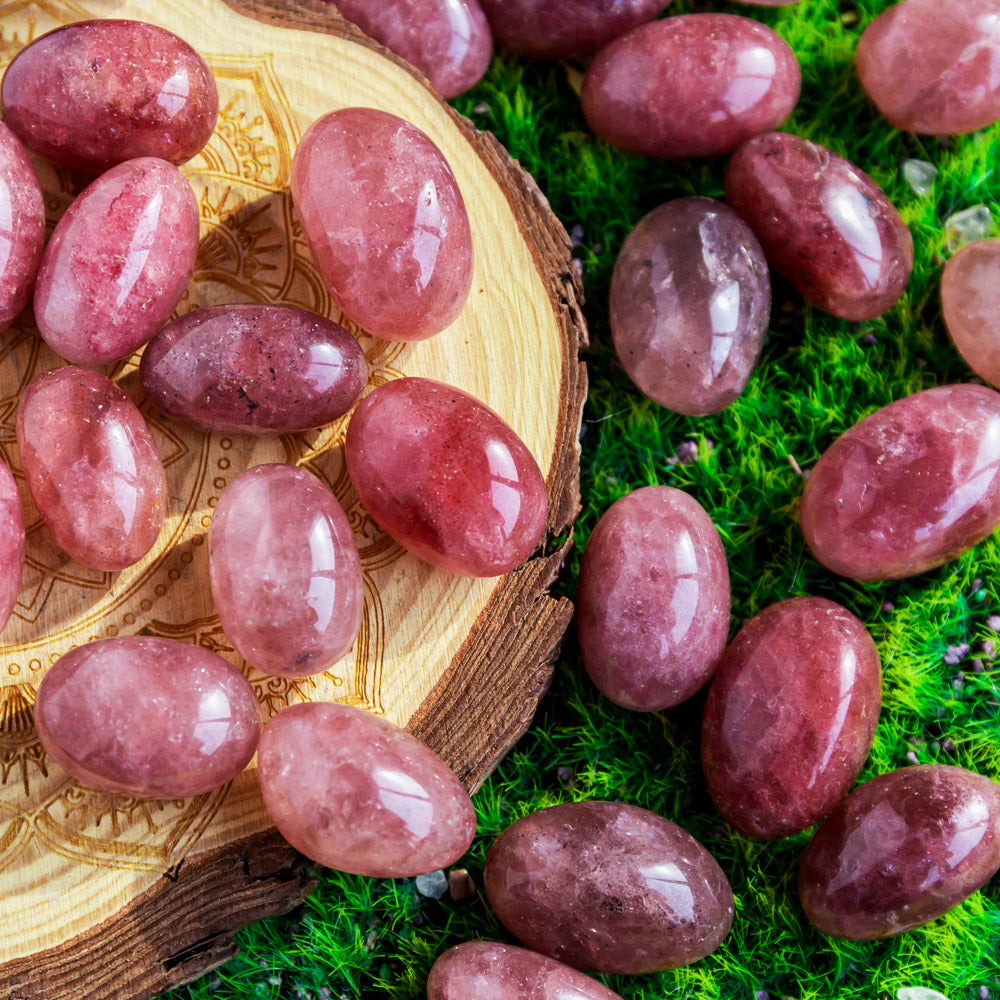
(118,262)
(901,850)
(790,716)
(148,717)
(446,477)
(608,887)
(386,222)
(285,571)
(253,369)
(356,793)
(824,224)
(652,606)
(970,301)
(930,66)
(96,93)
(908,488)
(12,543)
(690,303)
(693,85)
(92,467)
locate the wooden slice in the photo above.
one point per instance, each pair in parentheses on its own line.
(111,897)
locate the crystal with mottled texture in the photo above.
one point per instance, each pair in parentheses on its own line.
(910,487)
(970,300)
(12,543)
(356,793)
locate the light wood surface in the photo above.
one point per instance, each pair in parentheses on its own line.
(115,898)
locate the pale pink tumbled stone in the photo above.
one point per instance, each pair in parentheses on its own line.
(12,543)
(970,300)
(356,793)
(149,717)
(285,572)
(386,222)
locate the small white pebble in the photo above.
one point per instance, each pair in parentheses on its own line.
(919,993)
(971,224)
(434,884)
(920,175)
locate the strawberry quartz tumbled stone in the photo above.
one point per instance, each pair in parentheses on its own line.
(446,477)
(970,300)
(12,543)
(386,222)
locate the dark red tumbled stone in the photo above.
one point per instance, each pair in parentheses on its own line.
(824,224)
(790,716)
(901,850)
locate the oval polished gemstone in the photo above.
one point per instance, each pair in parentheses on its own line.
(487,970)
(690,303)
(12,543)
(910,487)
(92,467)
(693,85)
(970,301)
(824,224)
(449,41)
(930,65)
(790,716)
(446,477)
(96,93)
(22,227)
(253,369)
(118,262)
(356,793)
(148,717)
(652,605)
(901,850)
(608,887)
(285,572)
(386,222)
(561,29)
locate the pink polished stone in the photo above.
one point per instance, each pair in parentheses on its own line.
(22,227)
(690,303)
(608,887)
(446,477)
(118,262)
(652,606)
(148,717)
(356,793)
(449,41)
(901,850)
(560,29)
(386,222)
(12,543)
(930,66)
(253,369)
(693,85)
(487,970)
(790,716)
(824,224)
(92,467)
(96,93)
(909,488)
(285,571)
(970,300)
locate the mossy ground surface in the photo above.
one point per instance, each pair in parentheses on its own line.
(818,375)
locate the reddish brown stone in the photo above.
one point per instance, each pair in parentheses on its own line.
(970,301)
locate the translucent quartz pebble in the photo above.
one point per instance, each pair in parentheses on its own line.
(118,262)
(95,93)
(12,543)
(285,572)
(356,793)
(920,175)
(253,369)
(487,970)
(446,477)
(824,224)
(693,85)
(902,849)
(790,716)
(690,303)
(386,222)
(22,227)
(608,887)
(559,29)
(975,223)
(930,65)
(970,300)
(652,607)
(148,717)
(449,41)
(908,488)
(92,467)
